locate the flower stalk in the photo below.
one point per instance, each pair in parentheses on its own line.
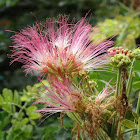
(130,79)
(118,82)
(74,116)
(138,105)
(138,113)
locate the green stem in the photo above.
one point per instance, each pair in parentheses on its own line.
(116,94)
(104,135)
(128,131)
(19,113)
(78,120)
(118,82)
(125,7)
(82,134)
(119,130)
(138,106)
(89,87)
(9,103)
(130,79)
(138,113)
(113,127)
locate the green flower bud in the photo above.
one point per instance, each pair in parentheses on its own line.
(120,60)
(136,53)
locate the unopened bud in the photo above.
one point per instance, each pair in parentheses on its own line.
(120,60)
(136,53)
(119,50)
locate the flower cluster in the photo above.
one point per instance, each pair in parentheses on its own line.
(136,53)
(119,50)
(120,57)
(60,97)
(59,47)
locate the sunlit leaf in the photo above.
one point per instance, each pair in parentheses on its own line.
(129,124)
(28,131)
(31,112)
(8,95)
(4,119)
(16,97)
(2,135)
(135,115)
(24,121)
(1,100)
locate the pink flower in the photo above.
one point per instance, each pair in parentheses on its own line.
(60,97)
(59,47)
(119,50)
(106,92)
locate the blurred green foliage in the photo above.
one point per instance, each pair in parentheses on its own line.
(126,28)
(18,119)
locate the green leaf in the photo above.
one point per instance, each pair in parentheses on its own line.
(24,121)
(31,109)
(16,123)
(129,124)
(4,119)
(31,112)
(32,122)
(34,116)
(135,116)
(16,97)
(136,85)
(9,137)
(2,135)
(28,131)
(24,98)
(8,95)
(137,66)
(102,78)
(8,101)
(1,100)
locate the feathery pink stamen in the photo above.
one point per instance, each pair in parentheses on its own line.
(59,46)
